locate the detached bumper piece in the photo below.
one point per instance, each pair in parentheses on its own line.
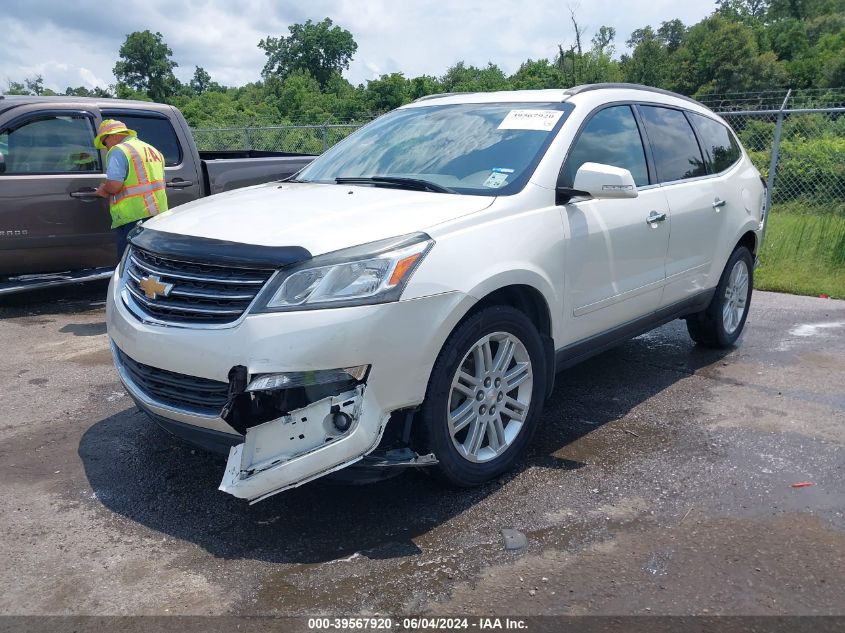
(255,465)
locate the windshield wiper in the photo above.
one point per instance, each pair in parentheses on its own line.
(400,182)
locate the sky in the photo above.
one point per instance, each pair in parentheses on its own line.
(76,42)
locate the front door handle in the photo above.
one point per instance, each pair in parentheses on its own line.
(654,217)
(178,183)
(86,194)
(718,202)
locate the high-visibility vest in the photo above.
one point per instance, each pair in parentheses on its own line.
(143,194)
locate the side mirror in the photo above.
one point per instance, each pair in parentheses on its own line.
(605,181)
(600,181)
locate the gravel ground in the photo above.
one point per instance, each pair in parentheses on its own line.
(660,482)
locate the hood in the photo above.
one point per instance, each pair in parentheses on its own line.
(318,217)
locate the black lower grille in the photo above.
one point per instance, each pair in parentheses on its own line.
(199,395)
(189,292)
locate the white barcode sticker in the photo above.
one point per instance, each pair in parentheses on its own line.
(531,120)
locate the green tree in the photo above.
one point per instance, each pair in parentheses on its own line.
(744,10)
(603,40)
(536,75)
(16,88)
(29,86)
(463,78)
(146,66)
(201,82)
(719,56)
(387,92)
(422,86)
(82,91)
(671,34)
(648,63)
(320,49)
(35,85)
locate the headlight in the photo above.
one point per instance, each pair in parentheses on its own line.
(373,273)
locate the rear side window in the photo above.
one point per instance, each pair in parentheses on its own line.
(51,144)
(156,131)
(720,147)
(611,137)
(676,152)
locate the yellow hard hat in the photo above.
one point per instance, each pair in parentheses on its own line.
(110,126)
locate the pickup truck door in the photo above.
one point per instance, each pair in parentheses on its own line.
(50,221)
(181,162)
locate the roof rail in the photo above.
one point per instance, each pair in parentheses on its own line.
(588,87)
(440,94)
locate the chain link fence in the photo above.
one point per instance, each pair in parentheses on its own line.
(300,139)
(796,140)
(799,150)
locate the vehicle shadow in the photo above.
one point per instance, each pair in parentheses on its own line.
(615,388)
(72,299)
(140,472)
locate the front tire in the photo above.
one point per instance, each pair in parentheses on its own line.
(484,396)
(722,322)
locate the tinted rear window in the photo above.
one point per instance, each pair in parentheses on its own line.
(156,131)
(676,152)
(720,148)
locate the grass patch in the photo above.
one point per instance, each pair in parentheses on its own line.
(804,253)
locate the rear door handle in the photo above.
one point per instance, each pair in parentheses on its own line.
(87,194)
(718,202)
(654,217)
(178,183)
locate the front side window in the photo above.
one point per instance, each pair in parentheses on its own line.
(720,148)
(611,137)
(51,144)
(676,152)
(486,149)
(156,131)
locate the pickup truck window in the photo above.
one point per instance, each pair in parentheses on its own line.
(51,144)
(155,130)
(610,137)
(486,149)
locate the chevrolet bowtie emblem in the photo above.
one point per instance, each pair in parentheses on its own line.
(153,287)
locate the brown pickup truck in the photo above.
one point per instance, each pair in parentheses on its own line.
(53,229)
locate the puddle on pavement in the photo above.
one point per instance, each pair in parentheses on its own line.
(617,442)
(90,359)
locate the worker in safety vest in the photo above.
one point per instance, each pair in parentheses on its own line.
(134,178)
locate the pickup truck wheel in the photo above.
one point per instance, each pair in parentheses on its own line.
(484,396)
(722,322)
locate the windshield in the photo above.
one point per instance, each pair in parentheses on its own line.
(487,149)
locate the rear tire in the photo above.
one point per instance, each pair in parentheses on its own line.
(722,322)
(484,396)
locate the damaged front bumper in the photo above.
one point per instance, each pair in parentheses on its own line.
(282,453)
(273,448)
(396,342)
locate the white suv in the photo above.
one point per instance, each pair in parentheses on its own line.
(407,299)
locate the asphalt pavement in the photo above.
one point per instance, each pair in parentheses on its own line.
(663,480)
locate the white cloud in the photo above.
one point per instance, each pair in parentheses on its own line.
(72,43)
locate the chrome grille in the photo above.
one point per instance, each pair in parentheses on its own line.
(199,395)
(200,293)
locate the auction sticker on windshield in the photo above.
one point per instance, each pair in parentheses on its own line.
(498,177)
(530,120)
